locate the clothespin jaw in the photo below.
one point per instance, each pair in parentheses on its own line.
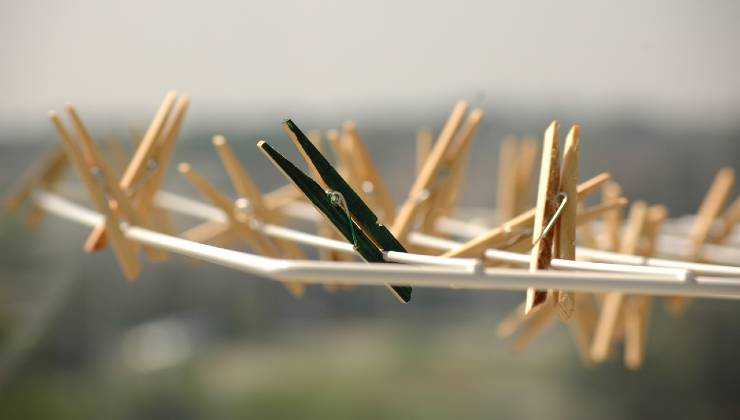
(340,204)
(360,212)
(124,249)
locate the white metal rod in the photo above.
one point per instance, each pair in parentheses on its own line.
(425,276)
(620,263)
(679,273)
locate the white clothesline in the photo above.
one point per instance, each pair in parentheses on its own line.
(462,274)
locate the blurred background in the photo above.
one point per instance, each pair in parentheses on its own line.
(653,84)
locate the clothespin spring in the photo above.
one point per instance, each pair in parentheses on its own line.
(338,200)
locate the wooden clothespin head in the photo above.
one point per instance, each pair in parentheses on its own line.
(103,191)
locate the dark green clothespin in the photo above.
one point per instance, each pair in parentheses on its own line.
(340,204)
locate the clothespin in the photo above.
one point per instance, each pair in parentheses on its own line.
(420,190)
(580,306)
(637,308)
(611,309)
(370,181)
(444,196)
(247,189)
(547,205)
(151,156)
(124,250)
(45,174)
(239,221)
(98,165)
(710,209)
(507,230)
(340,204)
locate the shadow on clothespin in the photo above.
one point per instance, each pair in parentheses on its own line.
(44,174)
(146,170)
(104,192)
(243,213)
(349,214)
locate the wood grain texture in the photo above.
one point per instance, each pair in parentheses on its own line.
(546,206)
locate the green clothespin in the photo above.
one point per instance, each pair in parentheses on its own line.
(340,204)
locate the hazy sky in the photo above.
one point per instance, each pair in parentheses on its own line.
(675,59)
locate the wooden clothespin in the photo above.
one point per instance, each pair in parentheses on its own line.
(637,308)
(547,205)
(44,174)
(370,180)
(445,195)
(340,204)
(247,189)
(611,309)
(124,250)
(580,306)
(509,229)
(420,190)
(97,164)
(239,221)
(710,209)
(144,159)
